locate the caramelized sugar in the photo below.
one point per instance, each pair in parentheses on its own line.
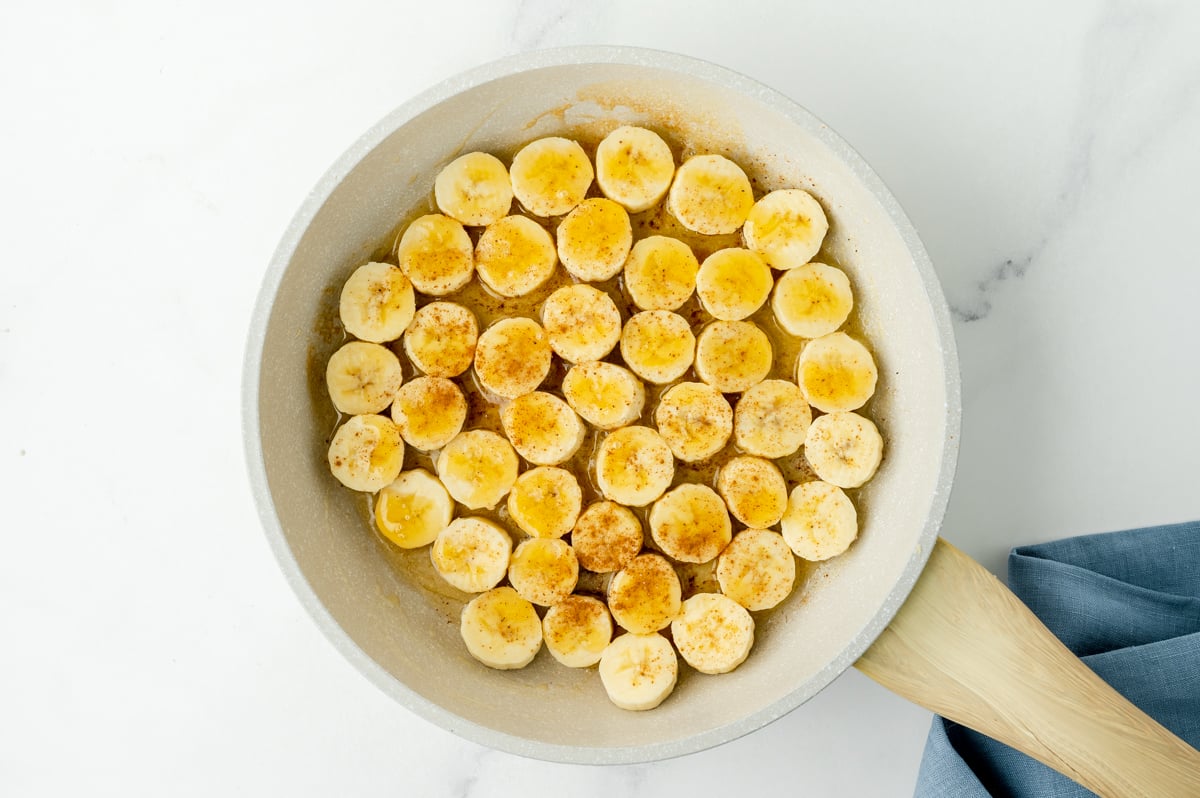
(413,566)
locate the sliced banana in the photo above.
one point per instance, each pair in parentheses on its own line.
(367,453)
(594,240)
(786,227)
(639,671)
(757,569)
(436,254)
(471,554)
(711,195)
(515,256)
(543,571)
(606,395)
(542,428)
(812,300)
(645,595)
(501,629)
(429,411)
(582,322)
(577,630)
(478,467)
(714,634)
(551,176)
(733,283)
(771,419)
(545,502)
(820,521)
(606,537)
(512,357)
(634,167)
(660,273)
(733,356)
(634,466)
(363,378)
(836,373)
(474,189)
(411,511)
(844,449)
(754,490)
(441,339)
(690,523)
(658,345)
(377,303)
(694,419)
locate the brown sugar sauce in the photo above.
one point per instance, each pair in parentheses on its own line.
(413,565)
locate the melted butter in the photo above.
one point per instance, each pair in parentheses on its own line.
(413,566)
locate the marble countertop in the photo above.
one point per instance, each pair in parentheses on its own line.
(153,154)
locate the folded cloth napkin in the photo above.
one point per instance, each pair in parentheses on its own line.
(1128,604)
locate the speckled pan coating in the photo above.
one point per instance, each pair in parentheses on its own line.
(404,638)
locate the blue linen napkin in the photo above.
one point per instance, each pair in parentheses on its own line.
(1127,603)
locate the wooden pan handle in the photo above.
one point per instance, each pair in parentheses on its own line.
(965,647)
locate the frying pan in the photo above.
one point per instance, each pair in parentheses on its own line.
(960,645)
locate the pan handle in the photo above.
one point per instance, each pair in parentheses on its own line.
(965,647)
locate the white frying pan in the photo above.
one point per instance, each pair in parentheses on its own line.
(961,644)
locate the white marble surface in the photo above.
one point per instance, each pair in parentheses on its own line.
(151,155)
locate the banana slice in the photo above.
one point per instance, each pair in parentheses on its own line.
(812,300)
(543,571)
(441,339)
(607,396)
(733,356)
(690,523)
(512,357)
(836,373)
(411,511)
(377,303)
(551,176)
(820,521)
(542,428)
(436,254)
(634,466)
(606,537)
(639,671)
(771,419)
(714,634)
(711,195)
(695,420)
(429,411)
(363,378)
(474,189)
(754,490)
(660,273)
(757,569)
(501,629)
(786,227)
(515,256)
(658,345)
(471,554)
(733,283)
(367,453)
(583,323)
(545,502)
(577,630)
(645,595)
(594,240)
(634,167)
(478,467)
(844,449)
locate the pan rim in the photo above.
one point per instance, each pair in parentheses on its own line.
(252,374)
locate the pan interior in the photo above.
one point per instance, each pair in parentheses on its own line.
(399,628)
